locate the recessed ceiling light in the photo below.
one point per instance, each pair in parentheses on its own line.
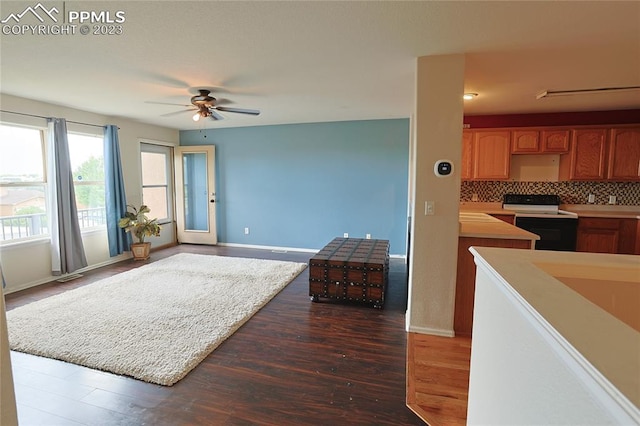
(469,96)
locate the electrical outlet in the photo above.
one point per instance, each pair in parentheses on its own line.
(612,199)
(429,208)
(246,231)
(591,199)
(345,235)
(368,236)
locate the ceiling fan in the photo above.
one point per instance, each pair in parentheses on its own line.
(208,106)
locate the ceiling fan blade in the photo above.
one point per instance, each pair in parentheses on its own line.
(238,110)
(169,114)
(166,103)
(214,115)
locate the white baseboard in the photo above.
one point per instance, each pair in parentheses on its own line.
(296,249)
(272,248)
(45,280)
(432,331)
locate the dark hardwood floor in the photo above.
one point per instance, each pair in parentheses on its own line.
(294,363)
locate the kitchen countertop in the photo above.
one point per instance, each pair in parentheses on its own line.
(489,208)
(573,293)
(604,211)
(582,210)
(481,225)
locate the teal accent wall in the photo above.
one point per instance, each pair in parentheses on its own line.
(301,185)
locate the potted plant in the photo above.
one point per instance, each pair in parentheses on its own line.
(137,222)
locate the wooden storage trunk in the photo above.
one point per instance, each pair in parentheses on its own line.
(350,269)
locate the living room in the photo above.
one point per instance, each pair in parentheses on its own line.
(341,144)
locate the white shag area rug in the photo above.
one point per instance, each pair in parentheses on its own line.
(155,322)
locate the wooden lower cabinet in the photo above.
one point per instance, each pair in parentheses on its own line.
(608,235)
(466,278)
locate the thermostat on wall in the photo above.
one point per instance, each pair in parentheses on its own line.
(443,168)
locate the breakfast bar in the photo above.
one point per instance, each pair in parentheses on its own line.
(563,326)
(478,229)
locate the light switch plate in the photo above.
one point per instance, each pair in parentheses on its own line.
(429,208)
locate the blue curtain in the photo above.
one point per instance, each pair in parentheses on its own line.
(115,198)
(67,250)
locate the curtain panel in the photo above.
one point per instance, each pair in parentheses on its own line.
(115,198)
(67,250)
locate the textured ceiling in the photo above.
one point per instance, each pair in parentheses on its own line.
(324,61)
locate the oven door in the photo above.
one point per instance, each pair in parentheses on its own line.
(557,233)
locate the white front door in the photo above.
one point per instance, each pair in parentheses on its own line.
(195,194)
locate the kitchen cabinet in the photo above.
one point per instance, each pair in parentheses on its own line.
(602,153)
(624,154)
(588,154)
(525,142)
(491,153)
(466,166)
(608,235)
(545,141)
(555,141)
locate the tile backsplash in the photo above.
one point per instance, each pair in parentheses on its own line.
(627,193)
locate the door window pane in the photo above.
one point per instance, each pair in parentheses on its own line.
(196,197)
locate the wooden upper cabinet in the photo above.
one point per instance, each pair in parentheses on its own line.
(554,141)
(588,154)
(491,154)
(466,165)
(545,141)
(624,154)
(525,142)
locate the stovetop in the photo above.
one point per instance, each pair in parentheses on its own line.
(535,205)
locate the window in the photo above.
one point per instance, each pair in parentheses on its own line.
(86,153)
(23,184)
(157,175)
(23,208)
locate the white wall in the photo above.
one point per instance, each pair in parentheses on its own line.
(26,265)
(434,241)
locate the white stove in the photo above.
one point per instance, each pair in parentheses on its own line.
(536,205)
(541,215)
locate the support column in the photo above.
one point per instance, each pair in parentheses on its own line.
(437,134)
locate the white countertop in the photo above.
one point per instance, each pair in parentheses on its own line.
(544,280)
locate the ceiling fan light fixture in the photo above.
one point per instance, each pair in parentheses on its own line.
(469,96)
(196,116)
